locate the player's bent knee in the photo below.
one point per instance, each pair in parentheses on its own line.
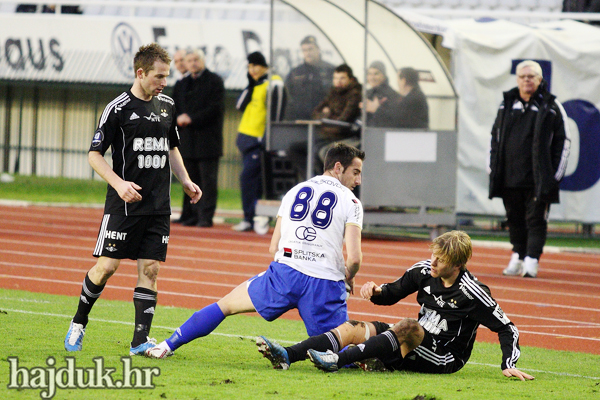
(353,332)
(104,269)
(407,328)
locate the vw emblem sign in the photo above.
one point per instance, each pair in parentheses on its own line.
(125,42)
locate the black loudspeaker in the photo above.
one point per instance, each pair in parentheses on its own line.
(280,175)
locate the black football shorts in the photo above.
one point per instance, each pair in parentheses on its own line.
(133,237)
(428,357)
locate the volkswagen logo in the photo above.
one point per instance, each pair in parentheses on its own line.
(125,43)
(306,233)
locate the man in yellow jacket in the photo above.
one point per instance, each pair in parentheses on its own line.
(253,103)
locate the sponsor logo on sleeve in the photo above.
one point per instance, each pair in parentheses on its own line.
(498,313)
(98,137)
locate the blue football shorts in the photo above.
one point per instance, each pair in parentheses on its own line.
(320,302)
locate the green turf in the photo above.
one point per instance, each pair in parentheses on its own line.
(226,365)
(76,191)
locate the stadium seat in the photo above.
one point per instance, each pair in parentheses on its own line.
(430,3)
(507,5)
(453,4)
(471,4)
(144,11)
(549,5)
(254,14)
(489,4)
(422,3)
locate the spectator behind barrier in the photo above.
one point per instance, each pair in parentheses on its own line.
(308,83)
(339,110)
(381,98)
(411,109)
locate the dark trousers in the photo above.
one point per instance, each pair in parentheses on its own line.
(527,221)
(251,176)
(204,173)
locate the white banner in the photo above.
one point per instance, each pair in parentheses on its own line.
(484,57)
(100,49)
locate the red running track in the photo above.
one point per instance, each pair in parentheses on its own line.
(48,249)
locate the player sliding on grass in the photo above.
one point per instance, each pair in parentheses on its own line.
(453,304)
(309,272)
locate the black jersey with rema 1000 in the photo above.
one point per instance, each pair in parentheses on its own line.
(453,314)
(140,134)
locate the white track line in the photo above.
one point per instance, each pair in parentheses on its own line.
(369,314)
(205,271)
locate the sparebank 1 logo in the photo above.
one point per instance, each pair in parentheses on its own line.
(587,118)
(125,42)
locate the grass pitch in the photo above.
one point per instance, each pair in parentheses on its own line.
(226,364)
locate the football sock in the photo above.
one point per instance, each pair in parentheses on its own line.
(200,324)
(377,346)
(89,294)
(144,301)
(323,342)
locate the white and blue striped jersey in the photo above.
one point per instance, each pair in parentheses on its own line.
(140,134)
(452,315)
(314,215)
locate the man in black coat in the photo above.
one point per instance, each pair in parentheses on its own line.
(199,98)
(412,110)
(528,159)
(308,83)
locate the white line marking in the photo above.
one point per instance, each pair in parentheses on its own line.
(278,340)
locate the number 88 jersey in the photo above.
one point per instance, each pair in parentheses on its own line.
(314,215)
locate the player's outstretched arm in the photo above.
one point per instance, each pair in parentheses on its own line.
(128,191)
(189,187)
(509,372)
(369,290)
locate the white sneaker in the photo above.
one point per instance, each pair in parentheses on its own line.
(243,226)
(261,225)
(530,267)
(161,350)
(515,266)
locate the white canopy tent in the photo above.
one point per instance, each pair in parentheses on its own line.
(402,164)
(357,32)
